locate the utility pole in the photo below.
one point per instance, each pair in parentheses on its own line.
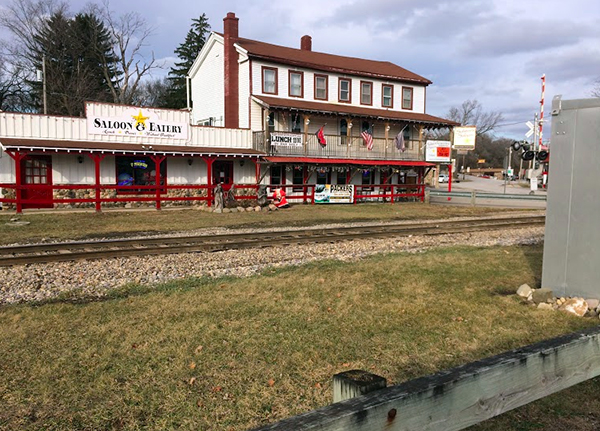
(44,83)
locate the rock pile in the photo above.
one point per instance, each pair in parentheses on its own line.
(544,299)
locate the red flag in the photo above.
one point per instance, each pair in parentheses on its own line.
(321,137)
(368,138)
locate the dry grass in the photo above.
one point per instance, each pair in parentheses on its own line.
(75,225)
(231,354)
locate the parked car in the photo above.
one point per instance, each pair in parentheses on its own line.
(443,178)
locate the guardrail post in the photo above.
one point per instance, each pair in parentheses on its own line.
(354,383)
(473,197)
(427,197)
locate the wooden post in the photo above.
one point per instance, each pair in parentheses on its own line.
(473,197)
(18,157)
(354,383)
(157,161)
(306,120)
(387,135)
(209,162)
(420,149)
(97,158)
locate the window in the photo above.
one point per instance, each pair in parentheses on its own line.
(342,177)
(407,98)
(343,131)
(368,177)
(298,178)
(271,122)
(138,171)
(296,123)
(223,173)
(387,96)
(277,174)
(321,84)
(366,93)
(344,90)
(296,84)
(269,80)
(323,175)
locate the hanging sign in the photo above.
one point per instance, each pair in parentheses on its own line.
(438,151)
(137,122)
(464,137)
(334,193)
(286,139)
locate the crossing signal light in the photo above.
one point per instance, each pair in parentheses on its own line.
(542,155)
(528,155)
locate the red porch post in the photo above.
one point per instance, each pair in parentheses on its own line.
(18,157)
(157,161)
(209,162)
(97,158)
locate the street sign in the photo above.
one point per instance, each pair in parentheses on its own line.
(530,132)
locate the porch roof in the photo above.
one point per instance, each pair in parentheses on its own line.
(324,161)
(353,111)
(64,146)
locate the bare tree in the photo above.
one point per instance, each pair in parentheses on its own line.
(470,113)
(596,90)
(130,32)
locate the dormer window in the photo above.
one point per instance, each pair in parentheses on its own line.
(296,84)
(366,93)
(269,81)
(345,86)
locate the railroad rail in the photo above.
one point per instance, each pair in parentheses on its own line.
(80,250)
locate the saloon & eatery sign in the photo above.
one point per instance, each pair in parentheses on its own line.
(140,122)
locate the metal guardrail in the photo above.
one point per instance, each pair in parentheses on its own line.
(481,195)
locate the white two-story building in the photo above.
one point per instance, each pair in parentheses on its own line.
(286,96)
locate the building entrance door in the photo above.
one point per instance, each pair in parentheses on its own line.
(37,170)
(223,174)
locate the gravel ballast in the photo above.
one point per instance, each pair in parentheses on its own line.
(41,282)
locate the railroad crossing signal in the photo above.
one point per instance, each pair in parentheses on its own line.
(530,132)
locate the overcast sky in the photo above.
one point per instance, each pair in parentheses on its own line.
(493,51)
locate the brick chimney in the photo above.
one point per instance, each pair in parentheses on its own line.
(232,71)
(306,43)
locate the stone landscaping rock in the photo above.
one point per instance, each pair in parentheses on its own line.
(542,295)
(249,209)
(240,209)
(226,210)
(272,207)
(524,290)
(545,306)
(218,211)
(257,208)
(592,303)
(576,306)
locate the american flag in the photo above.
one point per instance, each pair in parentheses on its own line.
(368,138)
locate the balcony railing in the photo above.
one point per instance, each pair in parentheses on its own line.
(338,147)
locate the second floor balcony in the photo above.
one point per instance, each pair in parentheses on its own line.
(336,147)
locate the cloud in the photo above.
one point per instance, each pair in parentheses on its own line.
(509,36)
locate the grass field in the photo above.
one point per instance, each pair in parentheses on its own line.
(231,354)
(76,225)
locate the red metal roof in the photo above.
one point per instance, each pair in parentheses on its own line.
(277,159)
(351,110)
(116,147)
(328,62)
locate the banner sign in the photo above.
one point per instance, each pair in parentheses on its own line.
(438,151)
(286,139)
(464,137)
(334,193)
(137,122)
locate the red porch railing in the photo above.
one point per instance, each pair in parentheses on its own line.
(85,195)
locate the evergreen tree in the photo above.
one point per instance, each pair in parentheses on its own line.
(75,51)
(187,53)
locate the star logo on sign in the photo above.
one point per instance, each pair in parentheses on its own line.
(140,119)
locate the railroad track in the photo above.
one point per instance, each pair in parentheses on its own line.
(65,251)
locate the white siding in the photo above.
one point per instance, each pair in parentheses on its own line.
(244,94)
(208,87)
(333,79)
(67,170)
(244,174)
(256,117)
(179,171)
(7,168)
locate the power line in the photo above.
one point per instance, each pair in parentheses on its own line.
(510,124)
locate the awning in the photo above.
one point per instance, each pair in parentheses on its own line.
(352,111)
(362,162)
(60,146)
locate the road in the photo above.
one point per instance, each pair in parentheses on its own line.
(490,185)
